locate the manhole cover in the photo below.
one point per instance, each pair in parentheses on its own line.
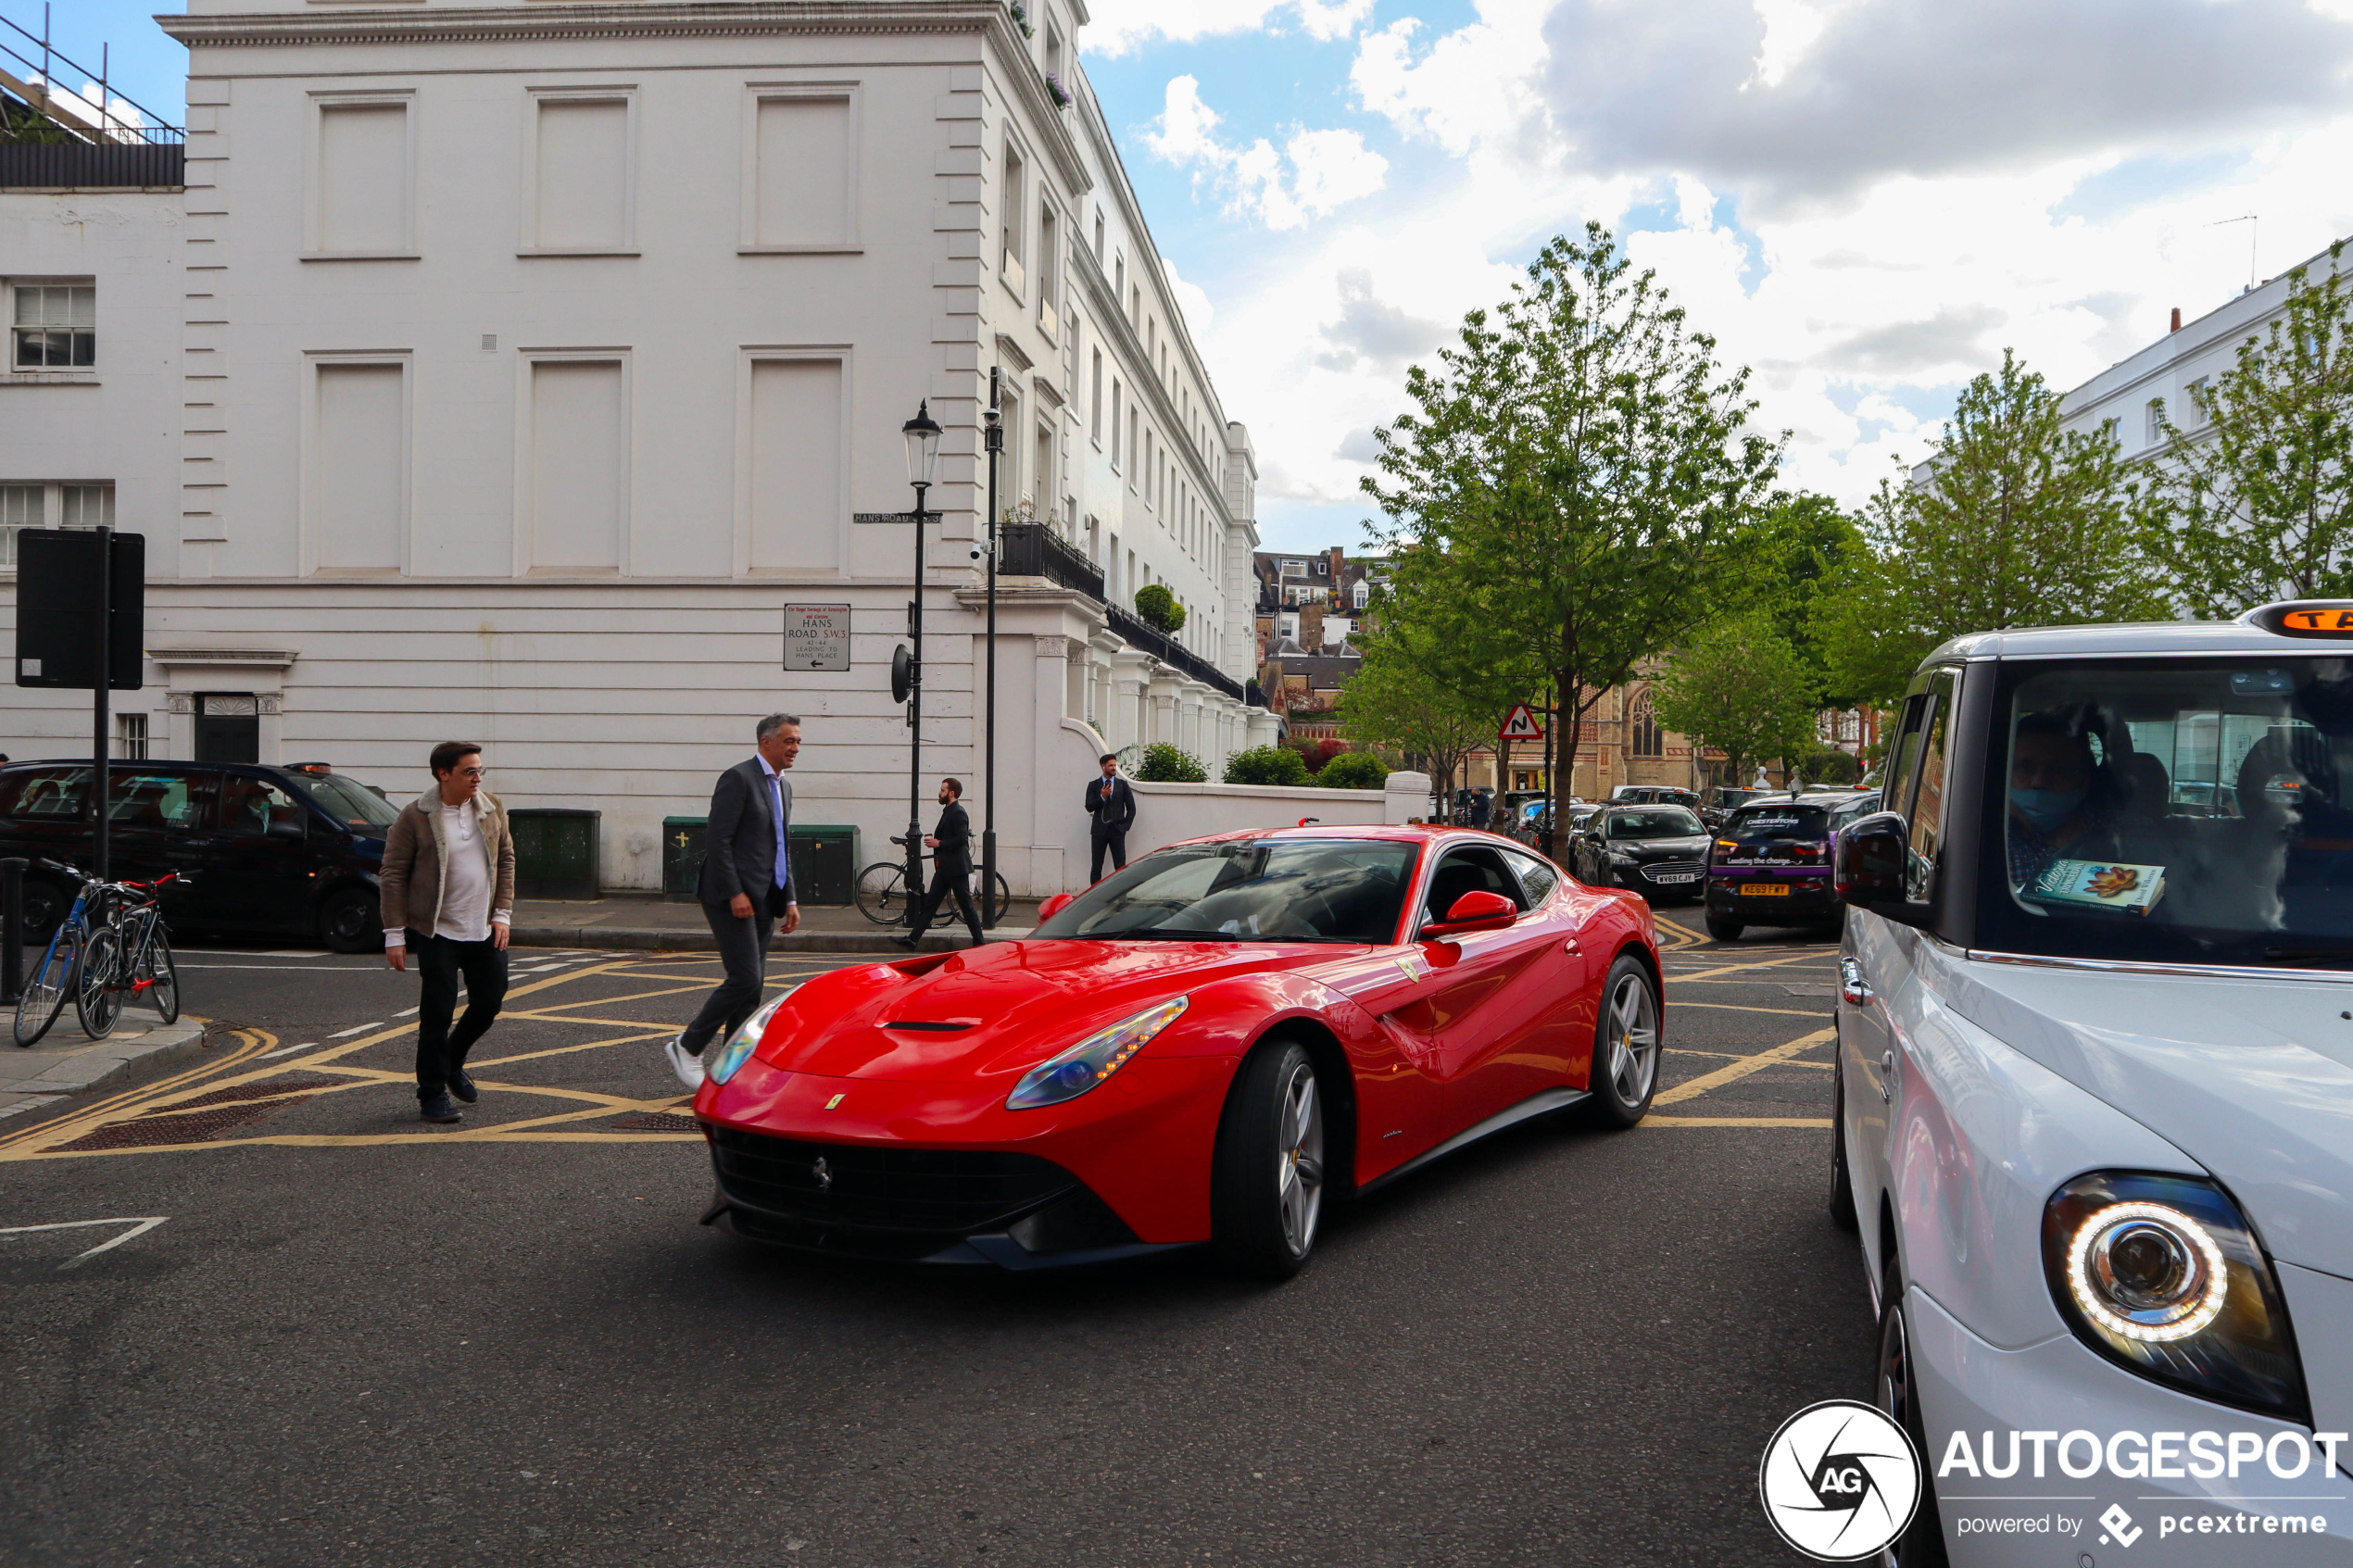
(268,1088)
(191,1127)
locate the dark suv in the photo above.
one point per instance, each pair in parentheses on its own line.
(1771,863)
(265,851)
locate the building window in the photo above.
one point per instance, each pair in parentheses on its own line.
(2199,392)
(131,738)
(801,180)
(57,327)
(1099,237)
(1049,243)
(1095,400)
(1642,724)
(1364,593)
(361,202)
(32,505)
(1009,219)
(580,185)
(1115,423)
(2154,414)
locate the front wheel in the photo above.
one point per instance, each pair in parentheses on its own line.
(158,977)
(1626,1047)
(350,922)
(1923,1543)
(98,996)
(47,988)
(882,893)
(1266,1176)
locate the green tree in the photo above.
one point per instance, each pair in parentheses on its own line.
(1157,608)
(1808,543)
(2020,524)
(1267,765)
(1354,770)
(1579,485)
(1435,685)
(2259,492)
(1741,687)
(1166,764)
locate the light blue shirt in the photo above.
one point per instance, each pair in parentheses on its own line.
(776,814)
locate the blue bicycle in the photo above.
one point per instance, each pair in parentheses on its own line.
(111,945)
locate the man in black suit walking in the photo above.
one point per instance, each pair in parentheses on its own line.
(746,887)
(951,867)
(1112,803)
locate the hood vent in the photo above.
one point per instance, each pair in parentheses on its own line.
(939,1026)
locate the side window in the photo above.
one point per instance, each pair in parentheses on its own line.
(1476,870)
(254,806)
(45,794)
(1535,875)
(1920,787)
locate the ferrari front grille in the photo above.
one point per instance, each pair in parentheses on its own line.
(947,1192)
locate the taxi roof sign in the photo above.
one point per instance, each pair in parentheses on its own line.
(2331,618)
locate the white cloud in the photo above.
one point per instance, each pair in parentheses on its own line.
(1122,26)
(1316,172)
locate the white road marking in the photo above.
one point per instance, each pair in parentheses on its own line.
(255,953)
(356,1029)
(305,969)
(408,1013)
(288,1050)
(138,1227)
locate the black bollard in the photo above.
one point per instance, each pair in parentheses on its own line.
(11,929)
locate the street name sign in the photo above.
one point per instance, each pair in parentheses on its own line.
(817,637)
(1520,726)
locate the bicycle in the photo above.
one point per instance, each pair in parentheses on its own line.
(129,956)
(882,891)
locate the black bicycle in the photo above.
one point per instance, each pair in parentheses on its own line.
(110,947)
(883,897)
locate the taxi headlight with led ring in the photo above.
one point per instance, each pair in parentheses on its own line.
(744,1040)
(1092,1059)
(2164,1275)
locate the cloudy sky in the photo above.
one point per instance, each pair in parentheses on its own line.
(1865,200)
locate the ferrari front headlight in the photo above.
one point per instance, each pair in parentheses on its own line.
(1092,1059)
(746,1039)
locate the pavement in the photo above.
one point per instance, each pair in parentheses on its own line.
(261,1314)
(67,1061)
(649,922)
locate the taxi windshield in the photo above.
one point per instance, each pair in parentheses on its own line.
(1249,890)
(355,807)
(2193,810)
(1654,822)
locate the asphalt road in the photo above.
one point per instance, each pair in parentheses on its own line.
(354,1340)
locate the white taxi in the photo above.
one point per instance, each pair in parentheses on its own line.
(2095,1091)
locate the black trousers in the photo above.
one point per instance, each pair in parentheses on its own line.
(440,962)
(946,880)
(743,949)
(1114,840)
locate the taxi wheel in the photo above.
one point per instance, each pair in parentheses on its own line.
(1266,1176)
(347,922)
(1922,1542)
(1724,929)
(1626,1048)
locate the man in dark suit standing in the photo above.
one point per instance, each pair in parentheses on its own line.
(951,867)
(1112,803)
(746,887)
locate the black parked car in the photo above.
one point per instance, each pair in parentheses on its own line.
(1657,851)
(265,851)
(1771,863)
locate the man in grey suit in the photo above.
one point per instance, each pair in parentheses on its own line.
(746,887)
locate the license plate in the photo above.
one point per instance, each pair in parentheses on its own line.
(1764,889)
(1676,876)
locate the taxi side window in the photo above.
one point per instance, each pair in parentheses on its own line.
(45,794)
(1916,785)
(252,806)
(165,800)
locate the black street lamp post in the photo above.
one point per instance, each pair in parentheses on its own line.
(923,460)
(994,440)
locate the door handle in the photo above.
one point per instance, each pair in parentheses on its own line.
(1887,1075)
(1853,989)
(1570,947)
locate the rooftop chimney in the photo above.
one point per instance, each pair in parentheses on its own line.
(2177,317)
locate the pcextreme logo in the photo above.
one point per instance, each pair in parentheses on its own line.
(1839,1481)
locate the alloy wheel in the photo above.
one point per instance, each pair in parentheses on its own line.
(1633,1040)
(1300,1160)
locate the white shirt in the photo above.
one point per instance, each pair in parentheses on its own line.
(465,876)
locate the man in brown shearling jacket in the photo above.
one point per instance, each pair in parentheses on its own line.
(448,885)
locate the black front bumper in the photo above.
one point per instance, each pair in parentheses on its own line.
(912,1205)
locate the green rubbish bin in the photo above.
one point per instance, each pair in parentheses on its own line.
(555,851)
(681,857)
(825,863)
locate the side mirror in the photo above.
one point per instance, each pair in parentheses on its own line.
(286,826)
(1053,906)
(1871,854)
(1475,911)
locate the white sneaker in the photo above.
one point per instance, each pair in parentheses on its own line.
(687,1066)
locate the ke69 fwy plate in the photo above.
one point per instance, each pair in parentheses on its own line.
(1764,889)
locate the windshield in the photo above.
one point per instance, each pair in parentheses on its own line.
(348,803)
(1655,821)
(2196,811)
(1766,823)
(1249,890)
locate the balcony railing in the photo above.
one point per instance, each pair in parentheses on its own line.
(1034,549)
(81,166)
(1169,651)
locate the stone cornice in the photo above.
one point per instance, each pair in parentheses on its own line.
(596,19)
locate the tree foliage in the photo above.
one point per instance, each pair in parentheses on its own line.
(2020,525)
(1741,687)
(1164,764)
(1267,765)
(1355,770)
(1434,684)
(1807,545)
(1578,485)
(1157,608)
(2258,491)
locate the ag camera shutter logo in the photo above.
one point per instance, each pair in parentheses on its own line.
(1839,1481)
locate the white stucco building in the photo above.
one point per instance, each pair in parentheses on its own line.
(503,372)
